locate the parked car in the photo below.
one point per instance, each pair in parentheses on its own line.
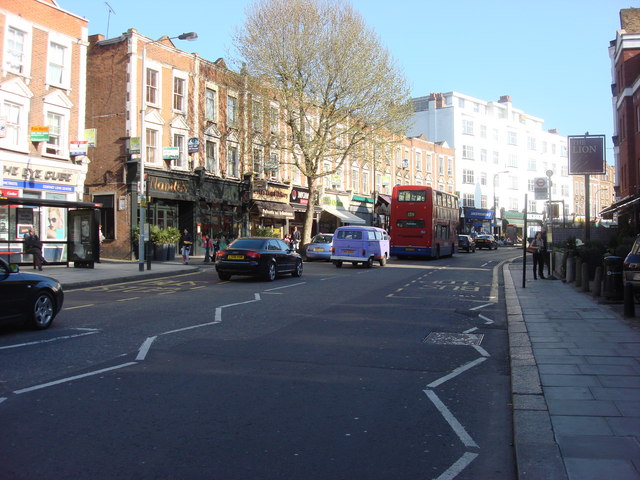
(466,243)
(631,268)
(264,257)
(357,244)
(30,298)
(486,241)
(319,248)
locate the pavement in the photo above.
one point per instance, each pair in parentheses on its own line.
(575,370)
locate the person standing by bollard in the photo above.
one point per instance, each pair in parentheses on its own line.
(186,242)
(207,244)
(538,249)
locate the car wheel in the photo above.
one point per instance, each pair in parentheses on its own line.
(271,272)
(369,262)
(383,261)
(42,311)
(224,276)
(337,263)
(297,272)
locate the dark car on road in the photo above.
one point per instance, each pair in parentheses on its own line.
(30,298)
(486,241)
(264,257)
(466,243)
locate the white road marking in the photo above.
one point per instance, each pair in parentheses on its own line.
(454,470)
(2,399)
(286,286)
(481,306)
(481,350)
(70,379)
(487,320)
(79,306)
(144,348)
(49,340)
(471,330)
(456,372)
(464,437)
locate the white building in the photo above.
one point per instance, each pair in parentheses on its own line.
(500,151)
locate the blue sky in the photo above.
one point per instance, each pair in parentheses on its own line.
(550,56)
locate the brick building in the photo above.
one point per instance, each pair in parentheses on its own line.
(42,115)
(624,52)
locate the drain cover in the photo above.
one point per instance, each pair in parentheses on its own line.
(444,338)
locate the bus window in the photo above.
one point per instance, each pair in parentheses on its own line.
(412,195)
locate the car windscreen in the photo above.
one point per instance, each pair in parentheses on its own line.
(349,235)
(248,243)
(322,239)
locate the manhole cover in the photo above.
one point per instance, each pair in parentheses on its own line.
(443,338)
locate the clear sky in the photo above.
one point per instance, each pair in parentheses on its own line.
(550,56)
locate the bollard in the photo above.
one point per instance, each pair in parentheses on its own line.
(596,288)
(629,306)
(570,274)
(585,277)
(578,272)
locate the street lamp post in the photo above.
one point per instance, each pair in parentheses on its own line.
(495,200)
(142,197)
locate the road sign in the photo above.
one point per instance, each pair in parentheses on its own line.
(541,188)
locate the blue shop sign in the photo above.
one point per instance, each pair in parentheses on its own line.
(478,213)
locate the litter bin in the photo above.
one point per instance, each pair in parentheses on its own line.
(612,285)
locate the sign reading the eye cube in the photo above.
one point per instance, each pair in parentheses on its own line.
(586,154)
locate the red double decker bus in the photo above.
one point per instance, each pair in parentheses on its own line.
(424,222)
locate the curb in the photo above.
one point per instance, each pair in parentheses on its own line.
(537,453)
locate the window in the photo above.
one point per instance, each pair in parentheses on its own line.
(56,143)
(532,207)
(365,181)
(531,164)
(355,178)
(513,204)
(151,146)
(512,138)
(273,120)
(467,152)
(483,155)
(512,161)
(468,200)
(256,111)
(496,158)
(428,166)
(467,127)
(258,162)
(180,141)
(211,157)
(232,111)
(13,113)
(211,104)
(440,165)
(57,61)
(179,93)
(232,160)
(531,143)
(418,161)
(483,131)
(412,195)
(16,54)
(273,167)
(152,86)
(531,184)
(468,176)
(450,166)
(483,178)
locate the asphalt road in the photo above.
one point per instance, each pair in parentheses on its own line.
(390,372)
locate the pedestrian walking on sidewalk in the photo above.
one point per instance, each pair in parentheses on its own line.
(538,248)
(186,241)
(33,245)
(295,238)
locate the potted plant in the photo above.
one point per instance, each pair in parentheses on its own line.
(171,238)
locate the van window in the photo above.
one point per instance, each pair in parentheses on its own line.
(349,235)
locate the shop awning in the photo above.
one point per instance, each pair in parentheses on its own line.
(344,216)
(620,206)
(274,209)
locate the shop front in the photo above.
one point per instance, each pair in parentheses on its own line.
(299,201)
(335,213)
(362,207)
(382,211)
(269,208)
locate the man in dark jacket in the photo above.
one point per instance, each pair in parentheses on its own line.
(33,245)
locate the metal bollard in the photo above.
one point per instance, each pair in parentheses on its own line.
(585,277)
(629,305)
(578,272)
(596,287)
(571,269)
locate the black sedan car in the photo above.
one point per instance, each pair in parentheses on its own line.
(466,243)
(258,256)
(486,241)
(28,297)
